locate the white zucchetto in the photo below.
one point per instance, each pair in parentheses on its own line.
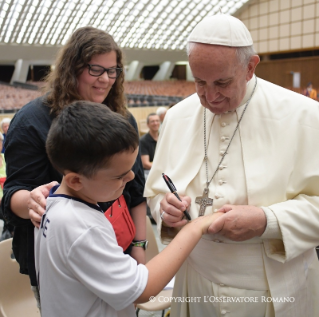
(221,29)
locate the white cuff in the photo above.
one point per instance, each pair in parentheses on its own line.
(272,230)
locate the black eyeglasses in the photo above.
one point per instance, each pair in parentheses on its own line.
(97,70)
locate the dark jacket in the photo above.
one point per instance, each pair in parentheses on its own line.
(148,146)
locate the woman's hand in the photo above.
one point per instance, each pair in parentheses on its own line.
(37,202)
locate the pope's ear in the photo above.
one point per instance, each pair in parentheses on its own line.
(73,180)
(253,62)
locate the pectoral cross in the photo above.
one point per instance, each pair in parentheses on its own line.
(203,201)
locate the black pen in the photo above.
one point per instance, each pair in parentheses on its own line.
(173,190)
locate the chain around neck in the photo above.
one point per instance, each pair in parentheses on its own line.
(205,144)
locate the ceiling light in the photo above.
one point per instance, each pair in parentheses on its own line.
(5,7)
(140,6)
(134,22)
(145,13)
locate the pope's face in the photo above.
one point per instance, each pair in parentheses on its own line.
(219,77)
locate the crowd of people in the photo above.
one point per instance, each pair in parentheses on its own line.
(240,152)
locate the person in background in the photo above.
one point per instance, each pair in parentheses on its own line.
(161,112)
(81,269)
(148,141)
(245,147)
(7,231)
(310,92)
(5,123)
(88,67)
(2,168)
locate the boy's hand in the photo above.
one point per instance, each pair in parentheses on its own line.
(206,221)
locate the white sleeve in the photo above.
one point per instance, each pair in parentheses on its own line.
(298,221)
(272,230)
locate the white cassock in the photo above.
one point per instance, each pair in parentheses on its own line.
(273,163)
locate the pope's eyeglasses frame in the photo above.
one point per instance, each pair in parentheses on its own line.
(97,71)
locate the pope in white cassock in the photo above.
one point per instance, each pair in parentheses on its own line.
(248,149)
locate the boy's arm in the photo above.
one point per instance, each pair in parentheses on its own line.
(164,266)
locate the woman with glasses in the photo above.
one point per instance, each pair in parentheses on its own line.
(88,67)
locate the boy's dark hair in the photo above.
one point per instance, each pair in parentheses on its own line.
(85,135)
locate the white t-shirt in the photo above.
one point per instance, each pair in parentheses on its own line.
(81,269)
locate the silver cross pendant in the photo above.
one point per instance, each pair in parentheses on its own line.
(203,201)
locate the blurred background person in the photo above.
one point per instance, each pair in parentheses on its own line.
(7,230)
(310,92)
(5,123)
(161,112)
(148,142)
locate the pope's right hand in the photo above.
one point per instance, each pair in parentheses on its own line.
(172,210)
(37,202)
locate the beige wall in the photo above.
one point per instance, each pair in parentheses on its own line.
(282,25)
(279,71)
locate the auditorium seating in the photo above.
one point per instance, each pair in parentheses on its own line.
(139,94)
(177,88)
(13,98)
(157,93)
(144,93)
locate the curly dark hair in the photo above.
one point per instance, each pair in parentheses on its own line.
(72,59)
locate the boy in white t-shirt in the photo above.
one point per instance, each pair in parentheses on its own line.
(81,270)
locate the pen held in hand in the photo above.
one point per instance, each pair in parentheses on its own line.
(173,190)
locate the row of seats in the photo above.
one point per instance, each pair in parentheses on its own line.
(139,93)
(178,88)
(13,98)
(151,101)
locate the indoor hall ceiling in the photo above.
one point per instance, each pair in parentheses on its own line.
(134,24)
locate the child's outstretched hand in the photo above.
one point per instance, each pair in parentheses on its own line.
(206,221)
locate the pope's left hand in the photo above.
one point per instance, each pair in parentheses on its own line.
(138,253)
(239,223)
